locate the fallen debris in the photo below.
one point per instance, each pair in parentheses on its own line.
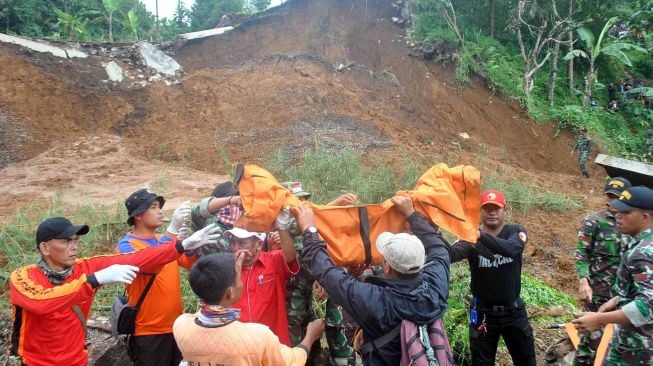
(156,59)
(42,46)
(114,71)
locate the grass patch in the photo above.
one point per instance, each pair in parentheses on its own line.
(327,175)
(524,197)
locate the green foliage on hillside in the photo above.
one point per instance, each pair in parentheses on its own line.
(113,20)
(622,55)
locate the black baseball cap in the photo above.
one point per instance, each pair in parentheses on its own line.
(58,228)
(616,185)
(634,198)
(140,201)
(226,189)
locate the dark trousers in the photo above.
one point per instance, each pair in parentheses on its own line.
(513,326)
(154,350)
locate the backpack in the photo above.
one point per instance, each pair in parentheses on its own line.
(424,345)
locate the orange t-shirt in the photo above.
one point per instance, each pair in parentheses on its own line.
(163,303)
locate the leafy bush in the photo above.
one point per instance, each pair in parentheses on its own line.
(621,134)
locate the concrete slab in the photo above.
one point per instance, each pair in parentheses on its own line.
(205,33)
(156,59)
(114,71)
(636,172)
(42,47)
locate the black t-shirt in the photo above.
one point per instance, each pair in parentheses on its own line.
(495,264)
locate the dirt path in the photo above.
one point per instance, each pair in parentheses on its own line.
(95,170)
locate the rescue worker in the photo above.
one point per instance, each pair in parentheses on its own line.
(495,263)
(584,147)
(300,289)
(152,342)
(215,335)
(631,310)
(52,299)
(222,208)
(598,253)
(409,290)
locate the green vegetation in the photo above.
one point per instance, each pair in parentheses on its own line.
(486,40)
(327,175)
(113,20)
(523,197)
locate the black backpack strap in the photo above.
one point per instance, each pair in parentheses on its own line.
(365,233)
(368,347)
(238,174)
(147,289)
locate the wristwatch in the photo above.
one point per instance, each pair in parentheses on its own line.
(310,230)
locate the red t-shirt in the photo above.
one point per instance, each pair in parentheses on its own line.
(264,292)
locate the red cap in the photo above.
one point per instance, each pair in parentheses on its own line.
(493,197)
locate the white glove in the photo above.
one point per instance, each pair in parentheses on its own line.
(283,219)
(201,237)
(178,218)
(116,273)
(184,232)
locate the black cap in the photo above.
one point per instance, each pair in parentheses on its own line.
(226,189)
(616,185)
(58,228)
(140,201)
(639,197)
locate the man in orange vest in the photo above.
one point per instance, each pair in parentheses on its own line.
(153,343)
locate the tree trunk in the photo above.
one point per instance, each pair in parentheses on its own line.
(570,64)
(588,82)
(110,27)
(492,3)
(553,74)
(527,88)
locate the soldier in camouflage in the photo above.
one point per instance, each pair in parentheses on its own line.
(584,147)
(300,289)
(598,254)
(222,209)
(631,310)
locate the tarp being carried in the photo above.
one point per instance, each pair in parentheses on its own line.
(449,197)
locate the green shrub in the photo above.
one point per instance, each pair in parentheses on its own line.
(524,197)
(327,175)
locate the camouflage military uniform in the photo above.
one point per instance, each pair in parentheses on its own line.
(584,147)
(299,291)
(200,218)
(632,344)
(598,253)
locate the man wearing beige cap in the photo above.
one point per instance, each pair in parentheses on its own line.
(410,290)
(495,264)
